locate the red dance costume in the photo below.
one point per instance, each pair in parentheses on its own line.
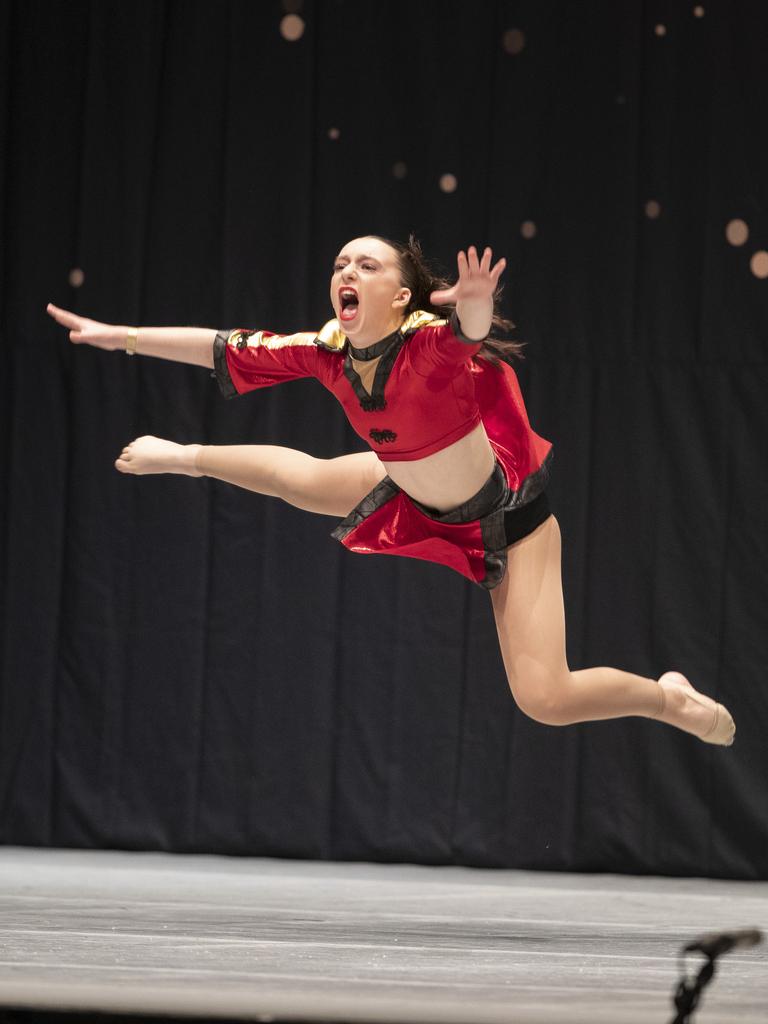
(407,396)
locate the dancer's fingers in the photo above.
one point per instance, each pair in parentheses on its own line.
(472,260)
(498,270)
(461,261)
(485,262)
(63,316)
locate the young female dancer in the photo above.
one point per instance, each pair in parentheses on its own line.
(456,474)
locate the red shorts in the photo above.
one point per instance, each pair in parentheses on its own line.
(472,539)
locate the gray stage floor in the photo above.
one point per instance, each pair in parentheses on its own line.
(276,940)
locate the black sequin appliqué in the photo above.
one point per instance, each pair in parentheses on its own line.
(383,436)
(371,404)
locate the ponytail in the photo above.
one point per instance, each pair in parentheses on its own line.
(421,280)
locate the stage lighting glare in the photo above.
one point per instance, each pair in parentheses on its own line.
(759,264)
(513,41)
(76,277)
(291,27)
(333,133)
(737,231)
(652,209)
(528,229)
(399,170)
(698,11)
(448,183)
(660,30)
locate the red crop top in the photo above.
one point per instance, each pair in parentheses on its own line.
(424,392)
(407,396)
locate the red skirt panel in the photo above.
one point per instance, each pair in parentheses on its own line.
(472,539)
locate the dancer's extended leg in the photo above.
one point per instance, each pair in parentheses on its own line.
(528,607)
(331,487)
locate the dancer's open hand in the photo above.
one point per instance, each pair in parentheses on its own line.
(89,332)
(473,292)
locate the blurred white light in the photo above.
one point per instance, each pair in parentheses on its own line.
(652,209)
(513,41)
(698,11)
(448,183)
(399,170)
(333,133)
(737,231)
(291,27)
(660,30)
(76,277)
(759,264)
(528,229)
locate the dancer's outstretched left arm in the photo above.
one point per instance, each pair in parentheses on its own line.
(472,295)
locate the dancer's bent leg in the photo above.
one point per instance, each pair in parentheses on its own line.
(331,487)
(530,621)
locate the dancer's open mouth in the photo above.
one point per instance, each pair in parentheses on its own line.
(349,304)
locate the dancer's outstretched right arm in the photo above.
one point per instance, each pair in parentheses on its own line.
(192,345)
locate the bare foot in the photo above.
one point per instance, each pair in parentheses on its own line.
(154,455)
(687,709)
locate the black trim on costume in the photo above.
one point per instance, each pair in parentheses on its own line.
(520,514)
(383,492)
(375,402)
(505,516)
(458,333)
(373,351)
(220,369)
(534,483)
(516,523)
(491,495)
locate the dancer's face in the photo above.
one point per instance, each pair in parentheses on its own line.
(368,297)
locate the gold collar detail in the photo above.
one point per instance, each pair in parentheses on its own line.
(332,337)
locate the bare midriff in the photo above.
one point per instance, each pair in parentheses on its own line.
(448,478)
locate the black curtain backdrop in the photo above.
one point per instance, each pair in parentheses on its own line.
(189,667)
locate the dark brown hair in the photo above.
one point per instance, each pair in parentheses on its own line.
(421,280)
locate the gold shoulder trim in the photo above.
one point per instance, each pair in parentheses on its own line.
(419,318)
(241,339)
(331,336)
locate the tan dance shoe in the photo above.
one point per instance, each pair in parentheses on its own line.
(721,728)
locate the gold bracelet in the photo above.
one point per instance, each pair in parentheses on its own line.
(132,340)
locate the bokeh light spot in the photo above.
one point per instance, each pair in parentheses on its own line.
(698,11)
(652,209)
(448,183)
(399,170)
(737,231)
(759,264)
(76,277)
(291,27)
(660,30)
(528,229)
(333,133)
(513,41)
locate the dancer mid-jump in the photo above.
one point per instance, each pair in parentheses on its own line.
(455,475)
